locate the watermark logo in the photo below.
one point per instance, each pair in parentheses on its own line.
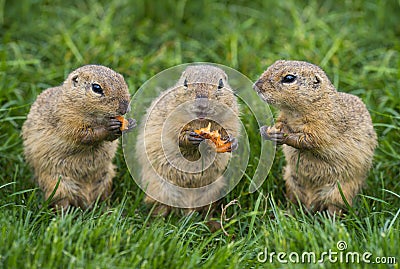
(176,166)
(341,245)
(329,256)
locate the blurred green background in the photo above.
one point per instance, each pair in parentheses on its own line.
(356,42)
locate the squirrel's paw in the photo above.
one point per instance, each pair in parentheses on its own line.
(113,128)
(132,124)
(234,143)
(273,134)
(194,138)
(230,144)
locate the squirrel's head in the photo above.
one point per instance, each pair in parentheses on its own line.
(293,85)
(98,90)
(204,86)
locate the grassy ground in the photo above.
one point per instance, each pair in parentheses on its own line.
(356,42)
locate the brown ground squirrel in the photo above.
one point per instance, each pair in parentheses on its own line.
(327,136)
(70,135)
(168,148)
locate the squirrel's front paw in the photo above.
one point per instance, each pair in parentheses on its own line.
(132,124)
(113,128)
(194,138)
(234,143)
(273,134)
(230,144)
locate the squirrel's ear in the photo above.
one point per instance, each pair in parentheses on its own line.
(220,84)
(75,80)
(317,81)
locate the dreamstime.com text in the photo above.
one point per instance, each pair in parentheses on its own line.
(329,256)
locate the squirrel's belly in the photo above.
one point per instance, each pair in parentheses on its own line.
(315,169)
(326,167)
(181,177)
(75,163)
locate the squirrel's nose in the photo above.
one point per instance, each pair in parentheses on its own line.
(123,107)
(201,103)
(257,86)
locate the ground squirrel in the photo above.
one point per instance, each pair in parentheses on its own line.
(168,147)
(70,135)
(327,136)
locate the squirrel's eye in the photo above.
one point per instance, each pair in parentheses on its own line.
(220,84)
(289,79)
(97,88)
(185,83)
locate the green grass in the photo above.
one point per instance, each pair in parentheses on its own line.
(357,44)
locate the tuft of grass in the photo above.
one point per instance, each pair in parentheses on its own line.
(357,44)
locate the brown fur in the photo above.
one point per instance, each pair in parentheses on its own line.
(70,134)
(328,136)
(202,83)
